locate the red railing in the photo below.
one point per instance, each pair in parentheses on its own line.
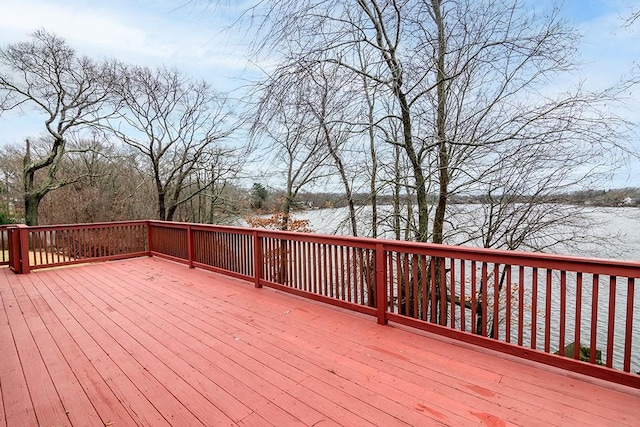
(4,244)
(227,250)
(525,304)
(57,245)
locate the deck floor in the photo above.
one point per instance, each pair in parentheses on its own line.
(151,342)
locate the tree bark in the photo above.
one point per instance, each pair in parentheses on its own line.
(443,155)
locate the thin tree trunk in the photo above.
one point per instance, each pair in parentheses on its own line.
(443,155)
(343,177)
(396,194)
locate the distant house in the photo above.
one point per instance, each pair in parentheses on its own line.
(304,204)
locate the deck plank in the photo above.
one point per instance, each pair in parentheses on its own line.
(151,342)
(543,409)
(44,396)
(325,373)
(101,391)
(108,371)
(294,375)
(410,385)
(250,365)
(156,383)
(16,401)
(78,407)
(185,361)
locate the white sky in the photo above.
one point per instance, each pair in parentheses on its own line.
(195,40)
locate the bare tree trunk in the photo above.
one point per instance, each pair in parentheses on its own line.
(396,193)
(443,155)
(373,190)
(162,211)
(443,161)
(345,180)
(31,199)
(31,204)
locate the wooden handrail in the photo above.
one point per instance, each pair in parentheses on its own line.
(511,301)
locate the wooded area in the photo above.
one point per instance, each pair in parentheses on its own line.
(415,105)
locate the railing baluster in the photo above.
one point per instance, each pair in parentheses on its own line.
(612,320)
(414,284)
(534,308)
(424,285)
(578,323)
(335,288)
(393,295)
(350,274)
(496,301)
(629,325)
(508,303)
(594,317)
(406,284)
(485,296)
(563,312)
(463,299)
(45,244)
(363,262)
(547,311)
(452,292)
(317,251)
(380,287)
(474,298)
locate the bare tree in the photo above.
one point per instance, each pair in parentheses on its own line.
(327,96)
(11,160)
(110,185)
(217,198)
(177,125)
(470,101)
(633,17)
(284,119)
(69,91)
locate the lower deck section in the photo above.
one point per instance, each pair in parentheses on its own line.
(149,342)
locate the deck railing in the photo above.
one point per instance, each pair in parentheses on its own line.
(530,305)
(58,245)
(4,244)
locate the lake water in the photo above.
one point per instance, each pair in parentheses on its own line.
(614,233)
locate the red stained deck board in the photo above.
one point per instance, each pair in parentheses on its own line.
(546,385)
(278,356)
(106,370)
(16,402)
(291,381)
(44,396)
(148,400)
(413,384)
(77,405)
(539,407)
(544,406)
(326,374)
(254,368)
(185,361)
(99,390)
(156,382)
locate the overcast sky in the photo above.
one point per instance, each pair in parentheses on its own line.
(194,39)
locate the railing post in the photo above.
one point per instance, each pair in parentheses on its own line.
(381,286)
(149,240)
(21,249)
(24,248)
(257,259)
(190,245)
(14,250)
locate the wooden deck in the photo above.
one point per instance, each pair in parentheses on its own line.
(150,342)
